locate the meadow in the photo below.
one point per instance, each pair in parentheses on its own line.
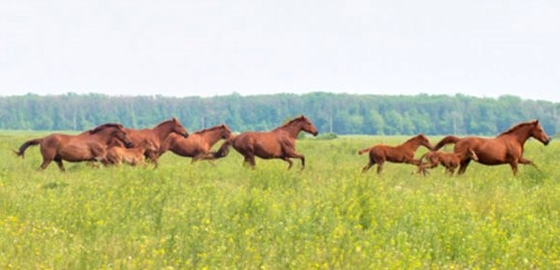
(328,216)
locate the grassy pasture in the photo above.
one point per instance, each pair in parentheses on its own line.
(329,216)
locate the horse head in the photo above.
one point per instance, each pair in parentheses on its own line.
(179,128)
(225,131)
(423,140)
(538,133)
(122,136)
(307,126)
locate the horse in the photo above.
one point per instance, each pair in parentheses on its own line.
(448,160)
(506,148)
(133,156)
(90,145)
(276,144)
(403,153)
(156,136)
(197,145)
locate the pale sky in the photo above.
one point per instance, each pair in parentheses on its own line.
(210,47)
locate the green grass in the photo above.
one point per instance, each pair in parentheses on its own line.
(329,216)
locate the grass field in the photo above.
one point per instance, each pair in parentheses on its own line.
(329,216)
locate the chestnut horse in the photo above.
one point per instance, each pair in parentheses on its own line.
(198,144)
(278,143)
(403,153)
(87,146)
(133,156)
(156,135)
(506,148)
(450,161)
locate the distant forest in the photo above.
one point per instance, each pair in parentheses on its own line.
(331,113)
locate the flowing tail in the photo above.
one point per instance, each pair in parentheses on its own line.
(24,146)
(224,149)
(446,140)
(361,152)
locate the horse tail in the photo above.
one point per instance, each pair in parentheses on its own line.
(224,149)
(446,140)
(364,150)
(24,146)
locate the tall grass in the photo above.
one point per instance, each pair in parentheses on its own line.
(327,216)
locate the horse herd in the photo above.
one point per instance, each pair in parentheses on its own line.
(112,143)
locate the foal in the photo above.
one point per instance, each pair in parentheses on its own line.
(133,156)
(403,153)
(450,161)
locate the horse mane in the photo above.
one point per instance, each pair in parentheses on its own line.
(415,137)
(517,127)
(299,118)
(166,121)
(104,126)
(209,129)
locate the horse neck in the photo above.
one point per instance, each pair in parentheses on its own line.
(521,135)
(412,144)
(104,136)
(293,130)
(163,130)
(211,136)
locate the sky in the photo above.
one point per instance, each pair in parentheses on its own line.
(218,47)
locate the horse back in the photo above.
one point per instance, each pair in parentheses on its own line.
(390,153)
(262,144)
(490,151)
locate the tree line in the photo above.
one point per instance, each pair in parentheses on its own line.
(332,113)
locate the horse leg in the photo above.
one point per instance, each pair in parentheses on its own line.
(450,170)
(525,161)
(380,167)
(463,166)
(513,165)
(154,158)
(290,163)
(370,163)
(59,163)
(45,164)
(428,165)
(252,162)
(249,160)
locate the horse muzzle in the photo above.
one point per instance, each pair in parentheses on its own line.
(186,135)
(315,133)
(128,144)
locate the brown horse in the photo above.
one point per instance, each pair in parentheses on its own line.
(506,148)
(403,153)
(133,156)
(198,144)
(156,135)
(450,161)
(87,146)
(278,143)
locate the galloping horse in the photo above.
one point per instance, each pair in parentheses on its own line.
(87,146)
(507,147)
(155,136)
(133,156)
(403,153)
(448,160)
(198,144)
(278,143)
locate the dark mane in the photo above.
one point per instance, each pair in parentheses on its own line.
(517,127)
(104,126)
